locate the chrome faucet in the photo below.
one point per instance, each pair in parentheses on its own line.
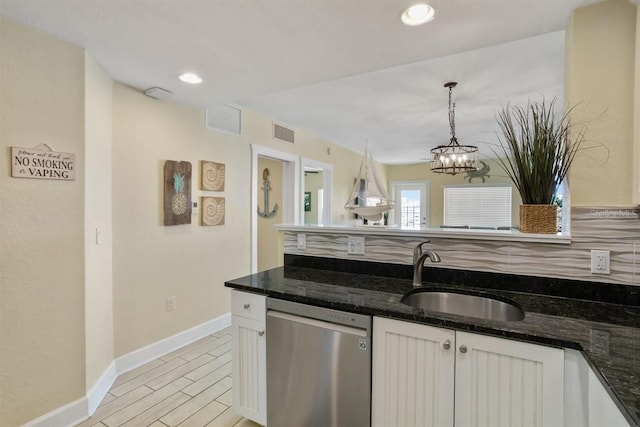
(418,260)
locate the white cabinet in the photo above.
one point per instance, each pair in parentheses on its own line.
(413,374)
(586,400)
(428,376)
(501,382)
(248,320)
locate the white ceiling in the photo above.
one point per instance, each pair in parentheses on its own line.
(345,70)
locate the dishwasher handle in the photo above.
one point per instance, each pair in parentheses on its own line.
(318,323)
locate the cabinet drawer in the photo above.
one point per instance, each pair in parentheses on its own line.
(245,304)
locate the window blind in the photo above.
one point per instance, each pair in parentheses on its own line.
(477,206)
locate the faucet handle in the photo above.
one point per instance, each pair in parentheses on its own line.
(417,251)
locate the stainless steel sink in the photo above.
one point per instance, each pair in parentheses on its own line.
(478,305)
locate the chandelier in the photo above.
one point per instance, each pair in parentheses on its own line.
(454,158)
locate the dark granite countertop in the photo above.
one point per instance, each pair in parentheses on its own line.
(550,320)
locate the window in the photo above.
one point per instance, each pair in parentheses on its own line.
(410,198)
(477,206)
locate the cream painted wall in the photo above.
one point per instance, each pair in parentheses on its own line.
(152,262)
(98,106)
(257,129)
(269,245)
(42,355)
(437,181)
(600,73)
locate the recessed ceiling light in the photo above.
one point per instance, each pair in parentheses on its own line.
(418,14)
(191,78)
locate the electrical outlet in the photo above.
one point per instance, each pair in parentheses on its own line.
(600,262)
(171,303)
(302,241)
(355,245)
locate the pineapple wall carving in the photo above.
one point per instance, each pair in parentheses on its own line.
(177,192)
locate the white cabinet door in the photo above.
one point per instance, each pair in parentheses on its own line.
(501,382)
(249,369)
(413,374)
(249,359)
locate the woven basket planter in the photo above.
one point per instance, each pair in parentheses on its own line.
(541,219)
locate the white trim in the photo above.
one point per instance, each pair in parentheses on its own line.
(78,411)
(160,348)
(291,193)
(327,185)
(64,416)
(423,185)
(101,388)
(426,232)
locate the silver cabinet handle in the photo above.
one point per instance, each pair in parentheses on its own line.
(261,333)
(446,345)
(246,306)
(463,348)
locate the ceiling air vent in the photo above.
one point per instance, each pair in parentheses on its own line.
(283,133)
(224,118)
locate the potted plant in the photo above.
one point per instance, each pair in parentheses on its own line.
(536,149)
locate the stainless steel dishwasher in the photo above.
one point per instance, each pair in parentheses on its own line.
(318,366)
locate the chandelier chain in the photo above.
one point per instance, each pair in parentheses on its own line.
(452,115)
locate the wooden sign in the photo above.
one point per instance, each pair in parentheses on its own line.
(177,192)
(40,164)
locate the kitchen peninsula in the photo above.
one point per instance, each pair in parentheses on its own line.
(602,327)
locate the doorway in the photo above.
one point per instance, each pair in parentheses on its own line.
(411,203)
(264,239)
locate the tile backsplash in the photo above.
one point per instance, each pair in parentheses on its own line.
(614,229)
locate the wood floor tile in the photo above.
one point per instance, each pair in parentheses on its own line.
(189,387)
(195,404)
(205,415)
(107,409)
(225,331)
(209,367)
(147,376)
(108,398)
(208,347)
(227,419)
(246,423)
(225,398)
(145,403)
(208,380)
(180,371)
(157,411)
(188,348)
(137,371)
(220,350)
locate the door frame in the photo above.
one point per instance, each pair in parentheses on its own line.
(423,185)
(327,185)
(291,193)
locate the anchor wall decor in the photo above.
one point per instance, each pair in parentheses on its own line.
(266,187)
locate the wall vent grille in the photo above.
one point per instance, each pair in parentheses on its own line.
(282,133)
(224,118)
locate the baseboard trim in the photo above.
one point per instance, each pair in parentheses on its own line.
(78,411)
(67,415)
(101,388)
(160,348)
